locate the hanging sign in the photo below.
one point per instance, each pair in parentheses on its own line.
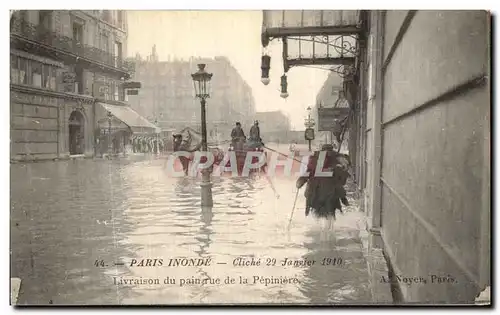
(328,116)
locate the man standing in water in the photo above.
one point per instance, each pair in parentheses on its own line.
(325,195)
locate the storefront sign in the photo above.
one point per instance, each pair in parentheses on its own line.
(132,85)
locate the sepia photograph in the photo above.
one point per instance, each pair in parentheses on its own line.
(250,157)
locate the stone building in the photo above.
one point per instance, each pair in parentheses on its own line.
(419,90)
(65,65)
(167,94)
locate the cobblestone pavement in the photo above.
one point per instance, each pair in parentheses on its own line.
(66,215)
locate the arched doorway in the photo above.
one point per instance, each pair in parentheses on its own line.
(76,133)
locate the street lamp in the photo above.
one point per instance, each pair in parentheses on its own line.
(201,81)
(284,87)
(109,132)
(265,67)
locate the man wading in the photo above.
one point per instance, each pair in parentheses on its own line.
(325,193)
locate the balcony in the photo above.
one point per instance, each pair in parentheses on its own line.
(60,43)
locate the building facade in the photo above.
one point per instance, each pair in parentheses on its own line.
(274,126)
(420,98)
(64,66)
(425,127)
(167,94)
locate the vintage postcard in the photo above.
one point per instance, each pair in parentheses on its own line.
(283,157)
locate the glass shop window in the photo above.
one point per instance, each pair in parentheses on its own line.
(37,71)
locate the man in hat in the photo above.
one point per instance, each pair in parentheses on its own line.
(255,132)
(237,134)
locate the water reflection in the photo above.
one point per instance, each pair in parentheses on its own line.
(79,212)
(61,230)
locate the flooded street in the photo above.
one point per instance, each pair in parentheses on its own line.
(77,226)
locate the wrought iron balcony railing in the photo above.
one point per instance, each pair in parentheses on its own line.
(39,34)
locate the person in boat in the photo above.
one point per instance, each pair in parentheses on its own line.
(237,135)
(325,195)
(255,139)
(255,132)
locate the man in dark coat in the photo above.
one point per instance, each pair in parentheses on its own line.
(237,134)
(325,195)
(255,132)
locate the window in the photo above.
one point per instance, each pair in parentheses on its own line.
(120,18)
(116,91)
(53,78)
(105,42)
(24,74)
(36,69)
(46,71)
(45,19)
(77,33)
(14,69)
(118,53)
(107,15)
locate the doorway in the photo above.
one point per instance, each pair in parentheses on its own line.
(76,133)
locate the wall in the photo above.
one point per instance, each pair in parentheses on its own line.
(428,149)
(34,126)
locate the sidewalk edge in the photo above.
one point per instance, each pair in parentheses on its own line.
(378,269)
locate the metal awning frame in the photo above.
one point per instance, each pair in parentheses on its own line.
(346,67)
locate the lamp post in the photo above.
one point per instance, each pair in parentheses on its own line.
(109,133)
(201,81)
(157,141)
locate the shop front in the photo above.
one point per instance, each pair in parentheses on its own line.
(119,129)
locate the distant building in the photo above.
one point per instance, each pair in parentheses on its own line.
(274,126)
(167,94)
(66,73)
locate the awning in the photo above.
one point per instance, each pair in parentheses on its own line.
(131,118)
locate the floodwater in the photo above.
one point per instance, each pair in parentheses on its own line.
(78,226)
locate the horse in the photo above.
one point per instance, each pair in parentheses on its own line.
(185,145)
